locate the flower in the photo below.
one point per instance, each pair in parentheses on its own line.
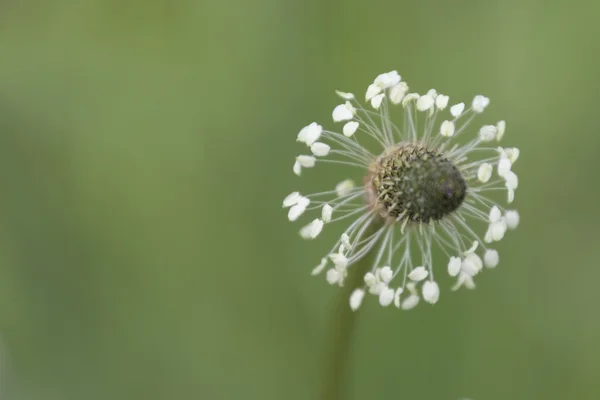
(426,186)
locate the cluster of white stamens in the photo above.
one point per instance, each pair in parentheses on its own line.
(394,240)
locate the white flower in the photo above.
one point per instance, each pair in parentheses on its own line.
(454,266)
(344,187)
(342,112)
(310,134)
(386,274)
(387,79)
(339,260)
(484,173)
(320,149)
(386,296)
(457,109)
(298,208)
(344,95)
(447,128)
(512,219)
(350,128)
(487,133)
(441,101)
(397,92)
(319,268)
(501,127)
(356,299)
(326,213)
(424,103)
(306,161)
(376,101)
(431,292)
(312,230)
(410,302)
(412,197)
(372,91)
(418,274)
(480,103)
(504,166)
(491,258)
(512,153)
(291,199)
(333,276)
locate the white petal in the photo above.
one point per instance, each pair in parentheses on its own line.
(469,268)
(457,109)
(356,299)
(476,260)
(410,97)
(512,219)
(418,274)
(397,297)
(498,230)
(312,230)
(341,113)
(350,128)
(484,173)
(320,149)
(319,268)
(298,209)
(344,95)
(306,161)
(454,266)
(472,248)
(512,181)
(466,280)
(512,153)
(377,288)
(491,258)
(372,91)
(410,302)
(480,103)
(339,260)
(386,297)
(447,128)
(425,103)
(297,168)
(310,133)
(495,214)
(504,166)
(388,79)
(441,101)
(501,127)
(397,92)
(432,93)
(488,235)
(511,196)
(333,276)
(370,279)
(431,292)
(291,199)
(376,101)
(487,133)
(326,213)
(346,241)
(386,274)
(344,187)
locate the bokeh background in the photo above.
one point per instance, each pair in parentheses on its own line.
(145,148)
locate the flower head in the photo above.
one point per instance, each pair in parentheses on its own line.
(427,185)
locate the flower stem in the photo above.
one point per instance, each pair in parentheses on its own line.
(343,324)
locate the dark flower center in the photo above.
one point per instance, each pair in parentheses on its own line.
(415,183)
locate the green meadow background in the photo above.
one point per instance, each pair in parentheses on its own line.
(145,148)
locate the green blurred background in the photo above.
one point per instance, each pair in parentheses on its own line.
(145,147)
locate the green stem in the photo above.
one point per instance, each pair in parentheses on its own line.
(343,323)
